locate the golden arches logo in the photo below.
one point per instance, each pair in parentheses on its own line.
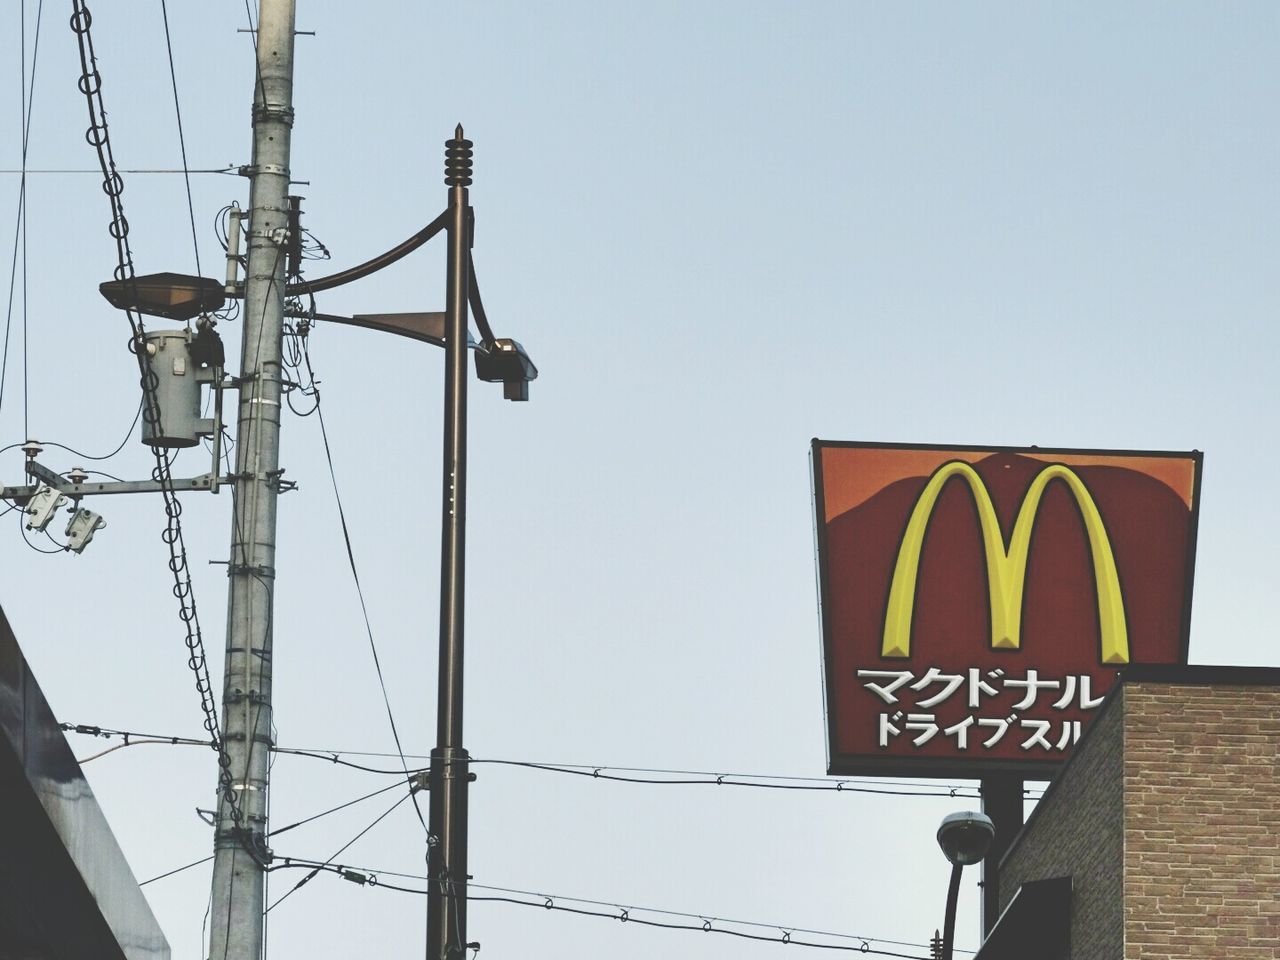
(1006,567)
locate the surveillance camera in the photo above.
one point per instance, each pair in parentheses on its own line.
(505,361)
(965,837)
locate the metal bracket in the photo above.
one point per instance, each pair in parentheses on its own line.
(276,480)
(267,112)
(253,696)
(206,481)
(256,569)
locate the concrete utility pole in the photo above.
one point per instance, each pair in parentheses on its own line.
(236,913)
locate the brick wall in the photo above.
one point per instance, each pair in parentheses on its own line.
(1077,831)
(1201,821)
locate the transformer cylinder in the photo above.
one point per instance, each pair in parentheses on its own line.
(177,391)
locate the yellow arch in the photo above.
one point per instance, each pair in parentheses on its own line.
(1006,568)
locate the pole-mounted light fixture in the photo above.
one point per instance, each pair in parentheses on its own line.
(174,296)
(965,838)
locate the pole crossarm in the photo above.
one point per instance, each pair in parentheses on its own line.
(206,481)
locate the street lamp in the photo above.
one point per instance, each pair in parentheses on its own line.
(497,360)
(964,838)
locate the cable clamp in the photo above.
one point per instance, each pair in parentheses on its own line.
(255,569)
(239,696)
(269,112)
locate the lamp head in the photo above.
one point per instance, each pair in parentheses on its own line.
(505,361)
(965,837)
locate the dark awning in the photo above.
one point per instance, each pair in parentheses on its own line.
(1036,924)
(66,892)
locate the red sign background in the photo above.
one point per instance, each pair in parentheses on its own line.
(864,496)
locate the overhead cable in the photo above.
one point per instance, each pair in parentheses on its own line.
(88,456)
(98,136)
(230,170)
(182,142)
(20,222)
(337,853)
(654,776)
(355,576)
(616,910)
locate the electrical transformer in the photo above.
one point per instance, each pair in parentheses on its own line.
(179,379)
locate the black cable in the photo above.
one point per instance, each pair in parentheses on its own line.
(98,137)
(182,143)
(325,813)
(26,139)
(13,275)
(341,806)
(608,772)
(364,609)
(365,876)
(22,528)
(170,873)
(335,759)
(19,226)
(310,876)
(127,437)
(225,171)
(706,927)
(97,473)
(719,781)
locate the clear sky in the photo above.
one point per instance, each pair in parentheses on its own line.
(721,230)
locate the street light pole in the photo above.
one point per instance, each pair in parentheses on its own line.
(965,839)
(949,922)
(447,843)
(236,911)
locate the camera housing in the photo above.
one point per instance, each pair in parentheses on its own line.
(505,361)
(966,837)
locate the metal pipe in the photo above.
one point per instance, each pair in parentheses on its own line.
(1002,802)
(303,287)
(949,924)
(447,854)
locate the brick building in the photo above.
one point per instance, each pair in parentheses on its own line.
(1160,838)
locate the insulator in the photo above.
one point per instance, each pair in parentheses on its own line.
(457,161)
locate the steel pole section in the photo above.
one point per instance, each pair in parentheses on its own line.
(949,924)
(447,843)
(1002,802)
(236,911)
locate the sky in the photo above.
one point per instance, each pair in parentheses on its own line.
(720,230)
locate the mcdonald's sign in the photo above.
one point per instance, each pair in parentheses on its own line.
(978,602)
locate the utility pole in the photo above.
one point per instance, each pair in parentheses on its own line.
(447,850)
(236,913)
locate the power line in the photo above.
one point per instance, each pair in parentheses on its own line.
(226,171)
(341,806)
(355,576)
(654,776)
(182,142)
(87,456)
(317,868)
(23,530)
(98,136)
(27,101)
(617,910)
(170,873)
(20,223)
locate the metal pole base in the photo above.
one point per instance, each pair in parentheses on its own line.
(447,855)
